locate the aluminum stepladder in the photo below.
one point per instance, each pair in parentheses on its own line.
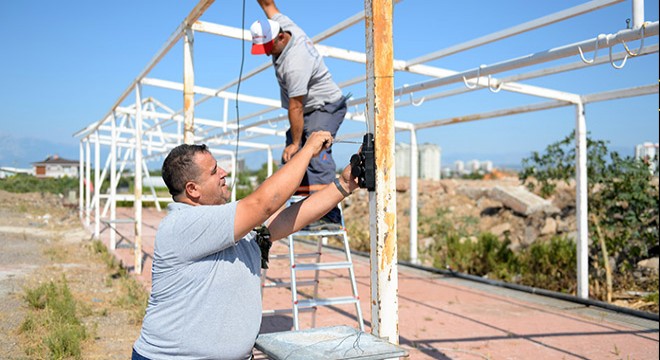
(310,304)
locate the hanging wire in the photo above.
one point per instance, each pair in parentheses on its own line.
(238,89)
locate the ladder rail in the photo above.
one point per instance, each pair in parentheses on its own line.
(311,304)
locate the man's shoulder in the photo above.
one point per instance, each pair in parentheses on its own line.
(288,25)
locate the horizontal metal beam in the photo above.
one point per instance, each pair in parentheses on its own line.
(196,12)
(515,30)
(603,96)
(172,85)
(481,72)
(621,93)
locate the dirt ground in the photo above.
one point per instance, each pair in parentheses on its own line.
(42,241)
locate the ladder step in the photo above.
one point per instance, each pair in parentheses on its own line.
(287,284)
(320,233)
(308,303)
(323,266)
(286,256)
(284,311)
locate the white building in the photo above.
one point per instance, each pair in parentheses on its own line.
(402,159)
(56,167)
(446,172)
(459,167)
(6,171)
(429,161)
(472,166)
(648,152)
(487,166)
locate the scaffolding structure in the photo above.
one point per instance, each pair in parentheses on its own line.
(139,129)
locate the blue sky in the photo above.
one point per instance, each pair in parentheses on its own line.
(65,63)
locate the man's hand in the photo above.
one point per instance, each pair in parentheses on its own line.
(269,7)
(347,180)
(318,141)
(289,151)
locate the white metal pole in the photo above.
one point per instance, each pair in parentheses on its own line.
(88,179)
(581,202)
(382,202)
(137,203)
(97,184)
(81,178)
(151,185)
(225,114)
(188,91)
(234,175)
(269,166)
(113,180)
(414,175)
(637,13)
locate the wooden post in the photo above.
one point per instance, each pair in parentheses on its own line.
(188,92)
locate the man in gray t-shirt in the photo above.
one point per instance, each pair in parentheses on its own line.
(205,301)
(313,100)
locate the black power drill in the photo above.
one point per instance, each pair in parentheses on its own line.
(363,164)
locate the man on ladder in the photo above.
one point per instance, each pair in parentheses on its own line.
(313,100)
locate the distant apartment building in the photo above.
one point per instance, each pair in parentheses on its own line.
(486,166)
(55,167)
(472,166)
(648,152)
(429,160)
(402,159)
(459,167)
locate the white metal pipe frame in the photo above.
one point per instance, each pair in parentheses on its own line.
(143,129)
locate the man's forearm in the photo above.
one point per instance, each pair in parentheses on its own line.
(296,216)
(296,121)
(283,183)
(269,7)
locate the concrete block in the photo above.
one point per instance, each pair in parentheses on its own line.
(520,200)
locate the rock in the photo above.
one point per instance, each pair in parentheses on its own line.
(486,203)
(562,226)
(573,236)
(520,200)
(402,184)
(550,227)
(531,234)
(649,265)
(426,243)
(473,193)
(500,229)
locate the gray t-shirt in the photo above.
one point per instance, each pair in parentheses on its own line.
(300,70)
(205,300)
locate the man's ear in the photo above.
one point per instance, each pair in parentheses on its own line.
(191,190)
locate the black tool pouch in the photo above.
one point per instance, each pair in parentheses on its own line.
(263,240)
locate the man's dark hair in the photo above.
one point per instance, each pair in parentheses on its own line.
(179,167)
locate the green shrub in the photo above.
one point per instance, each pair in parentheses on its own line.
(53,313)
(22,183)
(550,265)
(483,255)
(623,200)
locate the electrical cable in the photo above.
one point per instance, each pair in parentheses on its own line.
(238,89)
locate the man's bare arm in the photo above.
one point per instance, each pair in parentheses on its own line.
(255,208)
(269,7)
(298,215)
(296,121)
